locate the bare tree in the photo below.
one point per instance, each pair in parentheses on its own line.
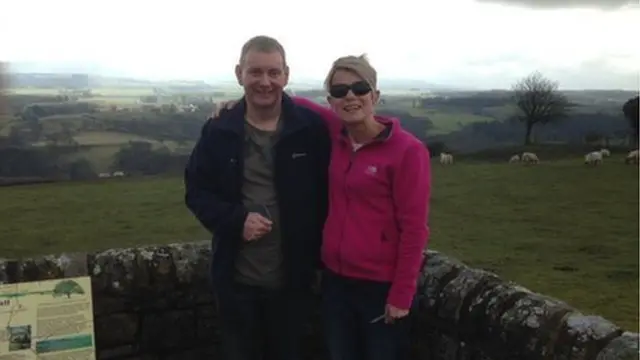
(630,110)
(539,102)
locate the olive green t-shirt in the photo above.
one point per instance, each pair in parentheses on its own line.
(260,262)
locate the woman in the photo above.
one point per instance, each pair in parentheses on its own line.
(376,230)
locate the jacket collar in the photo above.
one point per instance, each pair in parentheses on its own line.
(233,120)
(384,135)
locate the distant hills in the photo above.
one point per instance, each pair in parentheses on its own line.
(418,85)
(24,73)
(79,80)
(102,76)
(35,67)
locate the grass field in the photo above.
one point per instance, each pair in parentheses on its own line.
(100,156)
(559,228)
(104,95)
(446,122)
(105,144)
(101,146)
(107,138)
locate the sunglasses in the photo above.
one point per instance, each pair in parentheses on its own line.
(358,88)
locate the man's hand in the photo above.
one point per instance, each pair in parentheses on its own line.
(391,313)
(255,226)
(223,105)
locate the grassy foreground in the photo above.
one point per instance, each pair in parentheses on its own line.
(559,228)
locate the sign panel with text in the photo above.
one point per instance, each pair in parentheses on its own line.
(50,319)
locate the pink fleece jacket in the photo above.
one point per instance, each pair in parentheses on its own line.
(378,207)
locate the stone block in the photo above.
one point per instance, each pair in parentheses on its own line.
(116,329)
(206,324)
(436,273)
(168,330)
(118,352)
(456,296)
(529,325)
(583,336)
(484,315)
(8,271)
(623,347)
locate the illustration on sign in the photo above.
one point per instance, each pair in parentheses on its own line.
(52,316)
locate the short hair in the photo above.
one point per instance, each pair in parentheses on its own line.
(358,65)
(262,43)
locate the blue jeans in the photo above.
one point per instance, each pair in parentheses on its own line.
(262,324)
(349,306)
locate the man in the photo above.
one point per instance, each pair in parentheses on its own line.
(257,179)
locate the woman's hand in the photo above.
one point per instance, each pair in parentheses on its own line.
(223,105)
(391,313)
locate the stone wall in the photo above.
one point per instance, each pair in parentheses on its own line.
(155,303)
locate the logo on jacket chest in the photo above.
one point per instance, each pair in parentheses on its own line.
(371,170)
(368,179)
(365,170)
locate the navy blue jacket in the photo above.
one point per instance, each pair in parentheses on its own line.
(213,181)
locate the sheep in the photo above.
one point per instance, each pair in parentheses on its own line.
(446,158)
(514,159)
(593,158)
(605,152)
(530,158)
(632,157)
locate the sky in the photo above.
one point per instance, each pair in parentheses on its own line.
(470,43)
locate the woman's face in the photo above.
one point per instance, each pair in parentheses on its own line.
(351,97)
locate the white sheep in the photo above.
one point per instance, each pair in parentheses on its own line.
(530,158)
(605,152)
(593,158)
(514,159)
(446,158)
(632,157)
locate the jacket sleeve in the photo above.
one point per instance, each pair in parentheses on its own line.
(222,218)
(324,157)
(330,118)
(411,193)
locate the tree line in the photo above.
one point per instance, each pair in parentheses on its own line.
(542,113)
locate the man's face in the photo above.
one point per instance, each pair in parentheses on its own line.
(263,75)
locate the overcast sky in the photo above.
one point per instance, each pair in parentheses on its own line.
(477,43)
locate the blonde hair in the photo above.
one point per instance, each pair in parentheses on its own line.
(358,65)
